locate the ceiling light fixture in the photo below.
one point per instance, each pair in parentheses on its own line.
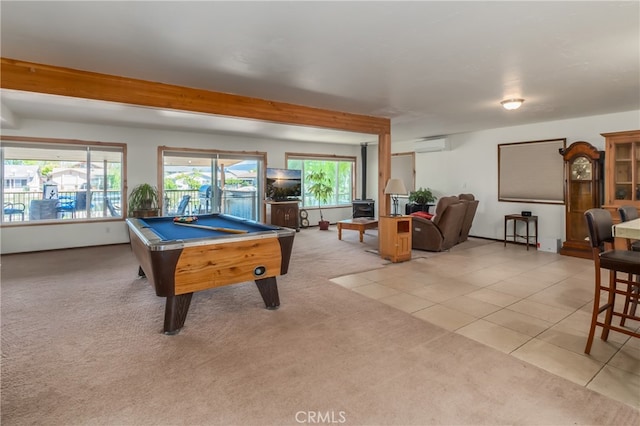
(511,104)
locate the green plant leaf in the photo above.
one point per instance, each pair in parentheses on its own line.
(143,197)
(321,187)
(421,196)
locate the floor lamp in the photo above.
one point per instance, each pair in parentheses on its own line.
(395,187)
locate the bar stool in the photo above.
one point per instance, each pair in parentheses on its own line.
(600,223)
(629,213)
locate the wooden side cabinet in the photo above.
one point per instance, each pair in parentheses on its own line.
(395,238)
(283,213)
(622,174)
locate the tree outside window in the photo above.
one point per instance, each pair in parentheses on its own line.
(340,175)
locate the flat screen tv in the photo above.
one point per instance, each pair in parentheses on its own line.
(283,184)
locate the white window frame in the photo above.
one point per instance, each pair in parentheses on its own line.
(96,209)
(336,192)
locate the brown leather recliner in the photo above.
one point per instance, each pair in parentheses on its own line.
(443,230)
(472,206)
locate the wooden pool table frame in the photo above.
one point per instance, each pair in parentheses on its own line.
(179,268)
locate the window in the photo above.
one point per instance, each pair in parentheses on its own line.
(341,173)
(209,181)
(531,172)
(61,180)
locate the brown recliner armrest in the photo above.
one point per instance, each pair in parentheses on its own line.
(425,235)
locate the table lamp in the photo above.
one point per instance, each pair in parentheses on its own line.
(395,187)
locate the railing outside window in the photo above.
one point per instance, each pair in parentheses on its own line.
(66,205)
(61,180)
(236,203)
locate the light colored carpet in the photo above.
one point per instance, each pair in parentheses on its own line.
(82,344)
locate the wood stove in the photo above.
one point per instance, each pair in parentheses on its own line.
(363,208)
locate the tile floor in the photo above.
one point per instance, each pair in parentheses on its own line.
(533,305)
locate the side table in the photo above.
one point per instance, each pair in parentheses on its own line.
(527,220)
(394,233)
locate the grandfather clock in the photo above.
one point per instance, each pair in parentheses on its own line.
(582,191)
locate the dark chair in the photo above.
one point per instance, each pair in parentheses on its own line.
(599,224)
(113,210)
(629,213)
(442,231)
(14,208)
(182,207)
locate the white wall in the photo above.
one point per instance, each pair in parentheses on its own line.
(142,148)
(471,166)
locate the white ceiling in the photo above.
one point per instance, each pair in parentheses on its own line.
(433,68)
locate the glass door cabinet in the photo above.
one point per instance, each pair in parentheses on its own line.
(622,170)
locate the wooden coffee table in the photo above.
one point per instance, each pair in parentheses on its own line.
(359,224)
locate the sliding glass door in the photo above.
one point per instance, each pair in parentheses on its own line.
(199,182)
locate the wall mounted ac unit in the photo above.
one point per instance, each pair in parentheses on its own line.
(431,145)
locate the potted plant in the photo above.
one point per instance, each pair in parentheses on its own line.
(143,201)
(420,198)
(321,189)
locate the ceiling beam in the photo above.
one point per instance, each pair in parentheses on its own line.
(39,78)
(32,77)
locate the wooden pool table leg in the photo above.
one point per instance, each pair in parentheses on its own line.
(175,312)
(269,291)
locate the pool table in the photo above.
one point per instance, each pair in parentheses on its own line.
(180,260)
